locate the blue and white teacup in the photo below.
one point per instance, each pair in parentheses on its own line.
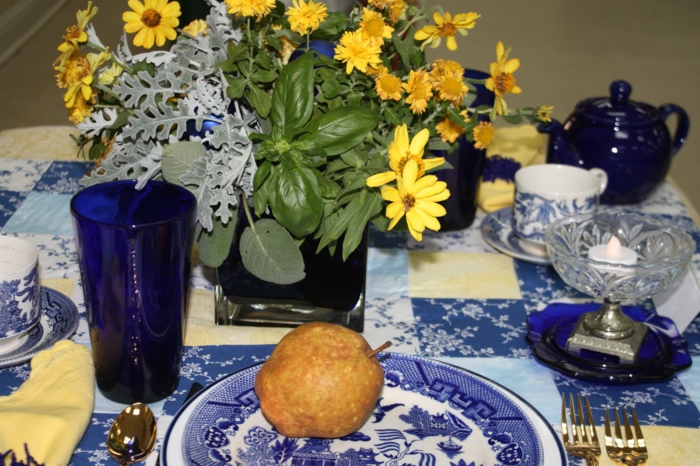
(547,192)
(20,299)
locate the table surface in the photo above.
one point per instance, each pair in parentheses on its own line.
(451,297)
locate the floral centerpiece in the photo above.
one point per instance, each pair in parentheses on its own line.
(322,120)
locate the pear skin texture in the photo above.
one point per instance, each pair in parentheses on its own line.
(319,382)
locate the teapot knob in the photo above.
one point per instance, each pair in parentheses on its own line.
(620,91)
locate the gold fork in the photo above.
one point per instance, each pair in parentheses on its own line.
(583,442)
(631,451)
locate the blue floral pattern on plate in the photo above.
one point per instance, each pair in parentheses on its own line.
(429,413)
(497,230)
(59,320)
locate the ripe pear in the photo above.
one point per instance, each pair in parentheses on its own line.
(321,380)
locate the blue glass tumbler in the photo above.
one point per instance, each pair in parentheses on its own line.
(134,248)
(468,164)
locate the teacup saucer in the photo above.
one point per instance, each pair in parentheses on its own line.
(59,319)
(497,231)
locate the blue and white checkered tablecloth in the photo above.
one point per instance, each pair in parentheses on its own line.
(451,297)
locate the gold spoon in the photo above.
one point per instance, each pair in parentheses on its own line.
(132,435)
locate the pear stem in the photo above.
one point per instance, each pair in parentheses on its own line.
(378,350)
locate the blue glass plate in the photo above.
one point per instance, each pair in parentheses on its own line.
(59,320)
(429,413)
(497,231)
(663,352)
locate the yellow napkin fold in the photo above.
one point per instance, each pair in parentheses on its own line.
(521,144)
(51,410)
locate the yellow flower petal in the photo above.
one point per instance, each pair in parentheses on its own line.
(452,43)
(394,209)
(137,6)
(419,141)
(430,208)
(423,183)
(396,219)
(433,162)
(415,224)
(511,65)
(429,221)
(410,172)
(380,179)
(391,194)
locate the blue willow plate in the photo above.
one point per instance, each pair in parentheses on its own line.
(429,413)
(59,319)
(497,231)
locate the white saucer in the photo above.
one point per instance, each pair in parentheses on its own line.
(59,319)
(497,231)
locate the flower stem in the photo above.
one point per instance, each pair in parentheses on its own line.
(246,209)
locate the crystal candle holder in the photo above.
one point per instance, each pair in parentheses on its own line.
(663,253)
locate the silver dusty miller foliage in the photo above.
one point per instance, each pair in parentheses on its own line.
(186,87)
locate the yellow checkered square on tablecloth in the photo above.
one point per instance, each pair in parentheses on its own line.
(447,274)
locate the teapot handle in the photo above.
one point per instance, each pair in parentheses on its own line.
(682,125)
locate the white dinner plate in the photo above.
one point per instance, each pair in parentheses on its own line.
(429,413)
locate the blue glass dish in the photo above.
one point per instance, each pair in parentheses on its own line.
(663,353)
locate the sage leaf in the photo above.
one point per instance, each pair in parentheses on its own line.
(215,245)
(268,251)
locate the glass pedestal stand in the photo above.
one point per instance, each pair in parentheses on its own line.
(608,331)
(663,252)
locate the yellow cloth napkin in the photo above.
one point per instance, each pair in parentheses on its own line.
(522,144)
(51,410)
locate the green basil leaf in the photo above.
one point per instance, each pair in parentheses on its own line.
(292,99)
(372,203)
(296,199)
(342,129)
(261,174)
(268,251)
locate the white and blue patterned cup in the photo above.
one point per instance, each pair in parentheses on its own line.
(547,192)
(20,303)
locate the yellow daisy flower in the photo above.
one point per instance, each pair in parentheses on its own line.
(446,26)
(247,8)
(154,21)
(401,150)
(379,4)
(75,35)
(483,135)
(197,27)
(305,18)
(396,10)
(356,52)
(388,86)
(110,74)
(417,198)
(448,130)
(376,71)
(374,29)
(501,80)
(77,77)
(446,76)
(544,113)
(419,90)
(80,110)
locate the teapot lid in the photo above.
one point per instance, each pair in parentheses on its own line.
(618,109)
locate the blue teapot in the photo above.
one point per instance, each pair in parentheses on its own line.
(627,139)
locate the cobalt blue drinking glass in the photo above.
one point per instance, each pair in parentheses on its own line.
(134,248)
(467,162)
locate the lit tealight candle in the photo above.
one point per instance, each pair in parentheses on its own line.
(613,253)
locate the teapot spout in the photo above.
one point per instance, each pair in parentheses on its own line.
(559,150)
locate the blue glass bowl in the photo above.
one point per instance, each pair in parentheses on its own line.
(663,352)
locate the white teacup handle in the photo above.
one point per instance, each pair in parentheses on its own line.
(602,178)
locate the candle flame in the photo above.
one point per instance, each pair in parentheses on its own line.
(614,248)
